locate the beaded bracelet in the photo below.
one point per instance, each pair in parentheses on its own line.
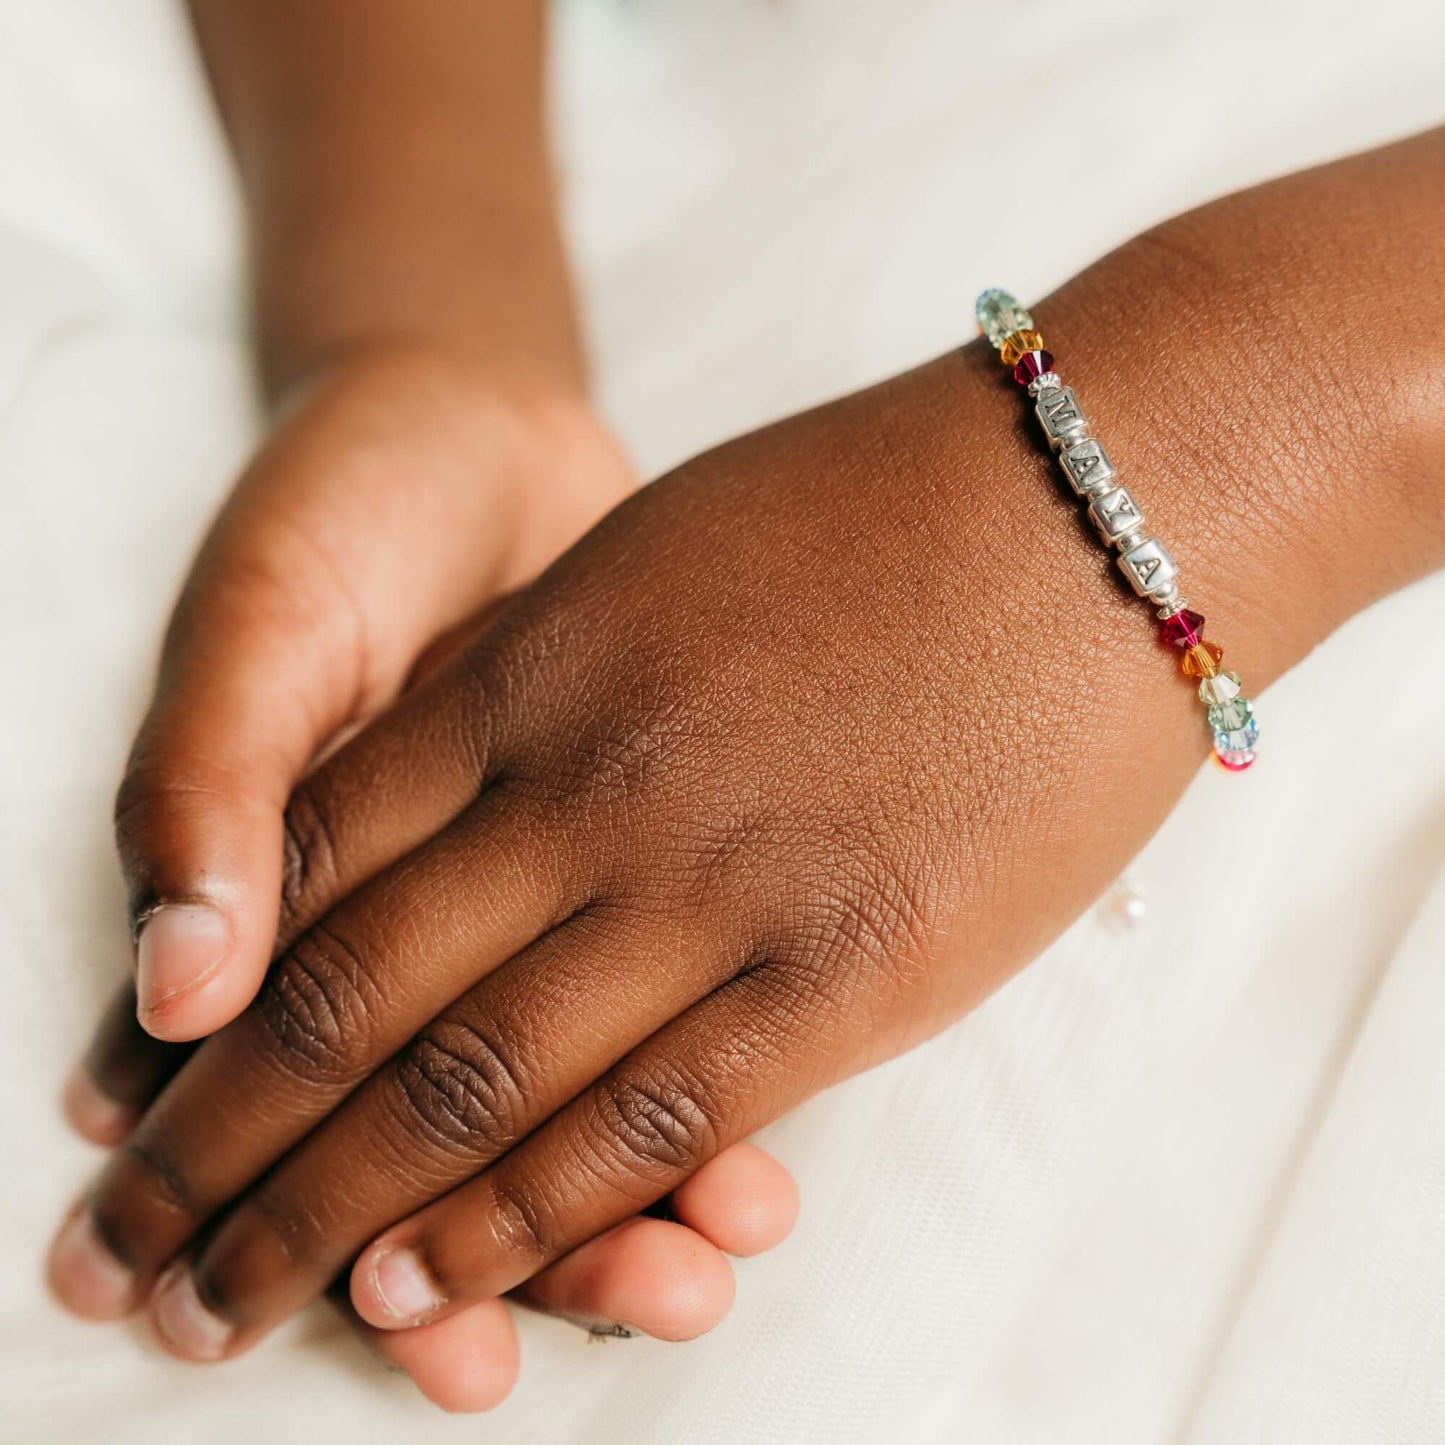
(1120,523)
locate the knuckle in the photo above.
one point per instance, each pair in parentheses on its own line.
(658,1124)
(615,758)
(152,799)
(144,1194)
(152,774)
(265,1244)
(521,1223)
(161,1174)
(286,1225)
(513,663)
(138,788)
(874,910)
(726,854)
(316,1008)
(309,860)
(522,648)
(463,1089)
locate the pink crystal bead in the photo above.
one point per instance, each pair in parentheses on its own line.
(1235,759)
(1183,629)
(1032,364)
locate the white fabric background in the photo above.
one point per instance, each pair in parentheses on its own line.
(1181,1184)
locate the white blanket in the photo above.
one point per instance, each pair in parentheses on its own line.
(1177,1183)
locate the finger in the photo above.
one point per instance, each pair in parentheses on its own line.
(85,1275)
(391,788)
(743,1201)
(345,998)
(256,673)
(647,1276)
(313,594)
(122,1071)
(288,851)
(667,1285)
(476,1080)
(720,1071)
(465,1364)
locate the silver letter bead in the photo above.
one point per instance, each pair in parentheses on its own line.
(1148,567)
(1059,415)
(1086,465)
(1115,514)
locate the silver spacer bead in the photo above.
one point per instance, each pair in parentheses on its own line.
(1045,381)
(1177,603)
(1129,541)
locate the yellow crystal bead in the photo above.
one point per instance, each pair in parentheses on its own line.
(1203,659)
(1016,343)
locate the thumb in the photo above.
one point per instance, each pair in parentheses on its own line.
(256,675)
(383,512)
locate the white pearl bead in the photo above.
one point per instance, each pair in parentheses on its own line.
(1124,907)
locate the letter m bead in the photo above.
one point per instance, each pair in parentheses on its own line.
(1148,567)
(1059,415)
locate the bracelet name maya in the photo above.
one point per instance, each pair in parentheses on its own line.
(1120,523)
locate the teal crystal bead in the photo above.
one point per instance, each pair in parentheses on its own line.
(1000,313)
(1226,717)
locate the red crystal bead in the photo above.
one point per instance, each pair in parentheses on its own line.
(1184,629)
(1236,760)
(1032,364)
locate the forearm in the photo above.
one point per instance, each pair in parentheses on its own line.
(394,162)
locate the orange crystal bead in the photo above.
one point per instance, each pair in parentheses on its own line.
(1016,344)
(1203,659)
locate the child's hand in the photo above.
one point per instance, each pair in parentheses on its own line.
(776,772)
(782,768)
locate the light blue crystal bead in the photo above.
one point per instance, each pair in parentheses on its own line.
(1237,740)
(1000,313)
(1226,717)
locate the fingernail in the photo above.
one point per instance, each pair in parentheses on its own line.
(185,1322)
(404,1288)
(85,1275)
(92,1114)
(180,946)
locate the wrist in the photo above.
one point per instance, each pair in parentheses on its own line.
(1257,421)
(494,297)
(1237,362)
(452,425)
